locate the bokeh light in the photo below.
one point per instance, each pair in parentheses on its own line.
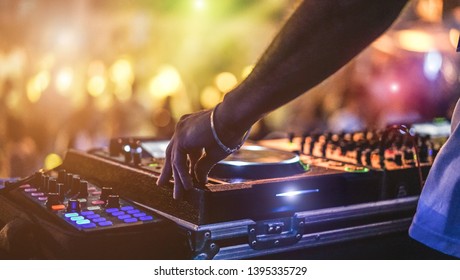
(246,71)
(121,72)
(166,83)
(52,160)
(64,80)
(210,97)
(96,86)
(225,81)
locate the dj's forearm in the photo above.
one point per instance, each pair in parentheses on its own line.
(318,39)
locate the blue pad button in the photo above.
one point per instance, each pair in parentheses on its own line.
(94,216)
(105,224)
(137,215)
(122,217)
(111,210)
(90,225)
(86,213)
(130,220)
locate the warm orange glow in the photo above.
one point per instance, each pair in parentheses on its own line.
(416,40)
(121,72)
(96,68)
(430,10)
(226,81)
(454,35)
(104,102)
(123,92)
(210,97)
(167,82)
(64,80)
(36,86)
(96,85)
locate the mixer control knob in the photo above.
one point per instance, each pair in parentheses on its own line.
(44,184)
(137,155)
(115,147)
(83,189)
(105,192)
(127,153)
(53,199)
(75,184)
(62,176)
(113,201)
(52,186)
(61,190)
(73,206)
(68,182)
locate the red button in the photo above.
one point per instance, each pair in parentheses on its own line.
(58,207)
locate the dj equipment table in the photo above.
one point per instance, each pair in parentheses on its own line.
(297,196)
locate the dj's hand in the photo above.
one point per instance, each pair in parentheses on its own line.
(193,151)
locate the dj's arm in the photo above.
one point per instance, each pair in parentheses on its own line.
(317,40)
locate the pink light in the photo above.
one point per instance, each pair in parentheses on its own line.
(394,87)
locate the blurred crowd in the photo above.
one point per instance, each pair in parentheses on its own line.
(74,74)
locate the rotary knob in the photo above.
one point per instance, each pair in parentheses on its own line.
(113,201)
(73,205)
(83,189)
(53,199)
(75,184)
(105,192)
(52,186)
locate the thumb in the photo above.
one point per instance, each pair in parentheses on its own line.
(203,167)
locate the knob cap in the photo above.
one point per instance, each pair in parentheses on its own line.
(52,186)
(105,192)
(83,191)
(75,184)
(68,181)
(115,147)
(73,206)
(62,175)
(61,190)
(137,155)
(113,201)
(53,199)
(127,153)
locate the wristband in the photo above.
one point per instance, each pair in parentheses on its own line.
(222,145)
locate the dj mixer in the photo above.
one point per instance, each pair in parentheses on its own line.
(262,192)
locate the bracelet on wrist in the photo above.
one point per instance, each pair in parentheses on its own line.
(219,142)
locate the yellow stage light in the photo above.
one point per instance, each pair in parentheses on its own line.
(210,97)
(225,81)
(52,160)
(64,80)
(167,82)
(96,86)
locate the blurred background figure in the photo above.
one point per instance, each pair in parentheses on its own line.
(74,74)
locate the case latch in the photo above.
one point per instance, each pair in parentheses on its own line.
(275,233)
